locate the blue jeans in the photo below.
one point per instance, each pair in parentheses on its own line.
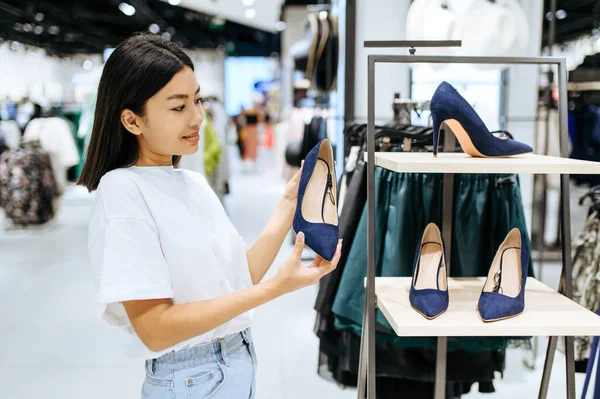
(223,368)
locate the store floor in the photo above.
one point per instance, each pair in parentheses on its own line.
(53,346)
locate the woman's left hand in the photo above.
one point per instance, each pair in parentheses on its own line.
(290,193)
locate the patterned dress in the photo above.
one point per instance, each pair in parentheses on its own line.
(586,275)
(27,185)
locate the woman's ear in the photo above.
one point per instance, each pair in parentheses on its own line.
(131,121)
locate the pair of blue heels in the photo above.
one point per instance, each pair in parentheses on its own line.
(503,294)
(316,210)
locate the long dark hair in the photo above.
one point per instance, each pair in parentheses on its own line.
(138,68)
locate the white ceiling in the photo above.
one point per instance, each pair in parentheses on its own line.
(267,11)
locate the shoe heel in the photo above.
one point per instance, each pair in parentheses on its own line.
(436,133)
(438,118)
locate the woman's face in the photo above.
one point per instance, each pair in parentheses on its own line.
(171,123)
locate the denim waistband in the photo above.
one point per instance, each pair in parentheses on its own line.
(214,351)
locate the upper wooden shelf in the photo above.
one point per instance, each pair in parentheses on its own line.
(547,313)
(424,162)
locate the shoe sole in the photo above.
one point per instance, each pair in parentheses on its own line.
(427,317)
(465,141)
(500,319)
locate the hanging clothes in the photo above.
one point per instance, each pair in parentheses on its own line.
(3,146)
(27,185)
(584,130)
(405,204)
(221,124)
(57,138)
(249,137)
(586,275)
(212,148)
(12,133)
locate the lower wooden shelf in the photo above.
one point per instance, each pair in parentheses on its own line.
(547,313)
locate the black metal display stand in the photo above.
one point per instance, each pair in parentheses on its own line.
(367,368)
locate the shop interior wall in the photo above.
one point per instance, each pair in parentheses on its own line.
(210,72)
(380,20)
(523,82)
(34,74)
(48,79)
(294,18)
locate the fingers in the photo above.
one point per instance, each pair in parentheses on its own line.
(331,265)
(299,245)
(299,172)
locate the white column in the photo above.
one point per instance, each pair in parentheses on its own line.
(523,93)
(380,20)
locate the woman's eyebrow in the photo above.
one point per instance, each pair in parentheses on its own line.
(181,96)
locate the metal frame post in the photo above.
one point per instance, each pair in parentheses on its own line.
(565,226)
(447,222)
(368,330)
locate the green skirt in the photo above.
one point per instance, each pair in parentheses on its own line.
(486,208)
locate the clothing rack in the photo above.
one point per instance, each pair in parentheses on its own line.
(390,294)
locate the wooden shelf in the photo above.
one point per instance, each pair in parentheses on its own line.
(547,313)
(424,162)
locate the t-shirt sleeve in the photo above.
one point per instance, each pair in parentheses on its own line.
(125,248)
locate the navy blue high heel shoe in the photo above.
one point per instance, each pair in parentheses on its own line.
(503,295)
(316,212)
(448,107)
(429,287)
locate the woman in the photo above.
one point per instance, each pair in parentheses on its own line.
(172,269)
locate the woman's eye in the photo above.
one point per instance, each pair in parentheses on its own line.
(179,108)
(198,101)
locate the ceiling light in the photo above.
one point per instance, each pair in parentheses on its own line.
(66,61)
(87,65)
(18,27)
(248,3)
(38,30)
(561,14)
(280,26)
(595,32)
(27,27)
(174,2)
(549,16)
(39,17)
(154,28)
(127,9)
(166,36)
(53,30)
(14,46)
(250,13)
(323,15)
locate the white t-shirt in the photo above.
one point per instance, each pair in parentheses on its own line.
(161,232)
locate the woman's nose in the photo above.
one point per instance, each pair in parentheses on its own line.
(198,118)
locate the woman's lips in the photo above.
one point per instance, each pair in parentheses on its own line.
(192,138)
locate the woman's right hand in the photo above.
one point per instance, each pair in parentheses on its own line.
(293,275)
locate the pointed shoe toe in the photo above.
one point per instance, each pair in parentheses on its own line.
(429,287)
(503,295)
(493,306)
(322,238)
(429,302)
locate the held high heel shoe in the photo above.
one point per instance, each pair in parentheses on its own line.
(449,108)
(503,295)
(316,211)
(429,288)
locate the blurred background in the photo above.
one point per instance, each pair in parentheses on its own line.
(277,77)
